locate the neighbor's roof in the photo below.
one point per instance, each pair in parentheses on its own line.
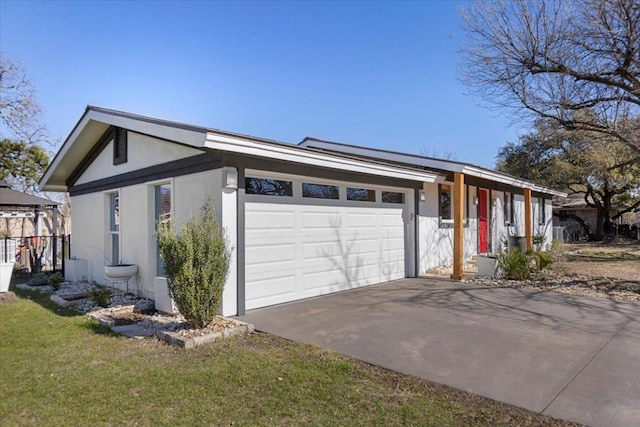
(429,163)
(9,197)
(576,201)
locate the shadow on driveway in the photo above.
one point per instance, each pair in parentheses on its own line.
(570,357)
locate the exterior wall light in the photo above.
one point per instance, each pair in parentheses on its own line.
(230,178)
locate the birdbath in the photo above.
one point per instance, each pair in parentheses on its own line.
(121,272)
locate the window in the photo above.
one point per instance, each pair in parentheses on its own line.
(320,191)
(361,194)
(508,208)
(392,197)
(114,227)
(445,207)
(268,187)
(120,146)
(541,219)
(162,216)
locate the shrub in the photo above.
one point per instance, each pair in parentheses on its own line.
(514,264)
(55,280)
(543,260)
(100,296)
(196,263)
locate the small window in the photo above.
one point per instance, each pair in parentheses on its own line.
(162,216)
(114,227)
(120,146)
(392,197)
(268,187)
(445,207)
(508,208)
(541,218)
(320,191)
(361,194)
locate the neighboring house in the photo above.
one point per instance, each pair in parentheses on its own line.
(302,220)
(27,234)
(573,214)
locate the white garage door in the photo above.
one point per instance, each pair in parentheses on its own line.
(304,238)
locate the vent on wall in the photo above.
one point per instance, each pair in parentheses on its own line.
(120,146)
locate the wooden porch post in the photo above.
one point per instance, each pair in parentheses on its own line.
(458,224)
(527,218)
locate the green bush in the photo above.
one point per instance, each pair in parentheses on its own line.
(514,265)
(196,263)
(543,260)
(55,280)
(518,265)
(100,296)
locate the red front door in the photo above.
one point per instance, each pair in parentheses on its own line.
(483,223)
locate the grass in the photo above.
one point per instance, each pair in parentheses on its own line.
(58,368)
(619,260)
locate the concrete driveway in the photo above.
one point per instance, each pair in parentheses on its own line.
(569,357)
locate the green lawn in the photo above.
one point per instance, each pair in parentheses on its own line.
(57,368)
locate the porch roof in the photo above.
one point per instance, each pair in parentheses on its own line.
(13,198)
(439,166)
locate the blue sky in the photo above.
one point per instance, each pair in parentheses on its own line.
(380,74)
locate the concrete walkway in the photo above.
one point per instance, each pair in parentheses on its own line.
(575,358)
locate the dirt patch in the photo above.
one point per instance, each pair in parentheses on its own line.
(7,296)
(619,260)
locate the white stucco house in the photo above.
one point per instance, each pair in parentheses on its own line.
(303,220)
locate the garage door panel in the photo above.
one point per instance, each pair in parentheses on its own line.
(266,219)
(261,293)
(270,253)
(321,280)
(391,218)
(362,219)
(319,220)
(311,249)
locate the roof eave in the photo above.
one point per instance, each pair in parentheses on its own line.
(233,143)
(93,123)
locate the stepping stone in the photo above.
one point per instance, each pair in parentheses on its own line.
(133,331)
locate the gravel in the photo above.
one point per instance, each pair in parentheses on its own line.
(596,287)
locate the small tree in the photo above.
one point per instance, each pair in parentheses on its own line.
(197,263)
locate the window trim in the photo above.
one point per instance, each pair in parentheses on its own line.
(368,190)
(511,217)
(542,216)
(160,272)
(290,181)
(404,197)
(114,260)
(302,189)
(445,222)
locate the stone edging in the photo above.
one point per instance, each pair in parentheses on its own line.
(177,340)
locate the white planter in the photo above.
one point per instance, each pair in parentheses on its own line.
(75,270)
(486,265)
(122,272)
(6,270)
(163,300)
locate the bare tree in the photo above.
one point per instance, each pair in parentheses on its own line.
(20,111)
(573,61)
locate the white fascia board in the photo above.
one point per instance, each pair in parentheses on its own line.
(172,133)
(296,155)
(449,166)
(388,155)
(505,179)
